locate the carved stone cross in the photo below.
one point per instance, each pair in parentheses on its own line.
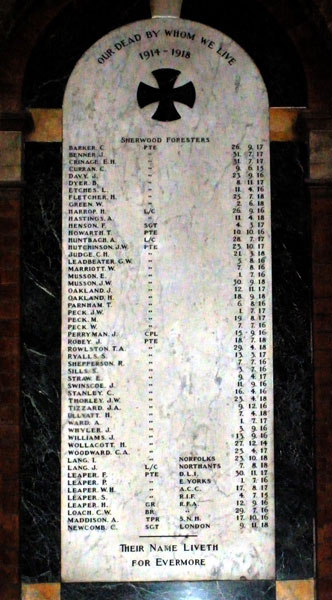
(166,95)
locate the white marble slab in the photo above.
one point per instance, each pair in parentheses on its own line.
(167,440)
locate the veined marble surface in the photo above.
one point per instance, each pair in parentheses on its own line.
(167,445)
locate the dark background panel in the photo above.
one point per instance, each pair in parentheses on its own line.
(79,25)
(291,267)
(221,590)
(40,364)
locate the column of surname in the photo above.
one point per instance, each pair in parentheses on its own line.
(85,222)
(239,452)
(90,245)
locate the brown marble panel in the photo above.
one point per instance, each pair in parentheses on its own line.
(47,125)
(324,590)
(283,123)
(9,381)
(41,591)
(10,155)
(320,148)
(295,590)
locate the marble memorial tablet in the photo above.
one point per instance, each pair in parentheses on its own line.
(167,399)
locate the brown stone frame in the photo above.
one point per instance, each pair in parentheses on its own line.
(318,120)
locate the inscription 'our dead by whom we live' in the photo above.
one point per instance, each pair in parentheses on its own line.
(156,35)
